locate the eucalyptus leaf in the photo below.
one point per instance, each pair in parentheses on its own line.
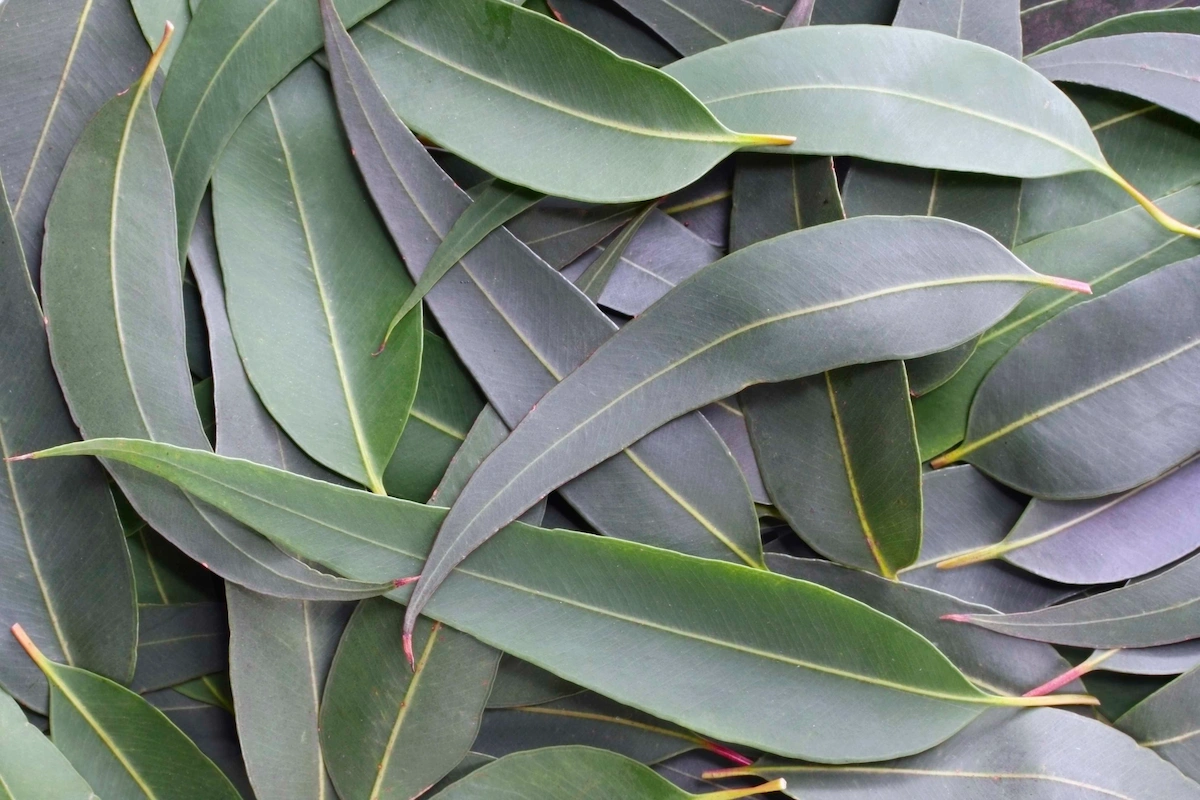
(1043,23)
(388,732)
(292,218)
(180,642)
(520,327)
(617,30)
(1167,20)
(729,420)
(594,280)
(1115,375)
(111,282)
(930,372)
(59,63)
(673,359)
(694,25)
(1162,68)
(121,745)
(212,729)
(67,576)
(436,62)
(641,625)
(993,23)
(1044,754)
(1147,613)
(152,17)
(1167,723)
(560,231)
(519,683)
(31,767)
(1167,659)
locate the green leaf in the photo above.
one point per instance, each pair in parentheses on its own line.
(616,31)
(390,732)
(646,627)
(519,683)
(1044,754)
(1166,722)
(122,745)
(595,278)
(1177,20)
(560,231)
(1158,67)
(1115,375)
(576,773)
(438,62)
(31,767)
(177,643)
(66,573)
(291,214)
(111,283)
(931,372)
(1150,612)
(774,195)
(829,87)
(496,204)
(694,346)
(520,327)
(213,690)
(152,17)
(59,63)
(235,52)
(212,729)
(991,23)
(694,25)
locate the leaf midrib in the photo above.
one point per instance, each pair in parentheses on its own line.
(938,773)
(381,777)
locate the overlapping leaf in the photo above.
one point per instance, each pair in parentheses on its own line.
(30,766)
(1167,723)
(694,25)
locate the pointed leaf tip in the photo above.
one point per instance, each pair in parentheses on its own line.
(956,617)
(766,139)
(398,582)
(407,640)
(726,752)
(22,457)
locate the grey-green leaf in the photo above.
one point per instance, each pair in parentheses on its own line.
(759,315)
(645,626)
(1168,723)
(616,31)
(388,731)
(519,683)
(303,252)
(67,573)
(59,63)
(31,768)
(831,86)
(480,76)
(995,23)
(152,16)
(1114,375)
(694,25)
(595,278)
(1167,20)
(1153,611)
(177,643)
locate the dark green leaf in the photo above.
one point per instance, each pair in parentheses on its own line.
(153,15)
(727,417)
(212,729)
(1043,23)
(694,25)
(560,231)
(66,574)
(694,346)
(1176,20)
(774,195)
(179,642)
(1168,723)
(995,23)
(594,280)
(1169,659)
(617,30)
(31,768)
(644,626)
(930,372)
(291,217)
(388,731)
(472,762)
(519,683)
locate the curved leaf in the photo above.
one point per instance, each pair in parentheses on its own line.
(1115,375)
(111,282)
(694,25)
(594,280)
(645,626)
(519,683)
(302,252)
(59,63)
(869,275)
(830,86)
(995,24)
(30,767)
(123,746)
(1106,540)
(502,65)
(1160,67)
(520,327)
(67,573)
(617,31)
(1150,612)
(1044,754)
(1167,659)
(1168,20)
(212,729)
(234,53)
(1167,723)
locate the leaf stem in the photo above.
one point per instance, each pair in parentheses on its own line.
(1047,700)
(159,52)
(975,556)
(777,785)
(1078,671)
(1160,216)
(23,639)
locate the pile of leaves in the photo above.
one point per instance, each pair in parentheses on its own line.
(591,399)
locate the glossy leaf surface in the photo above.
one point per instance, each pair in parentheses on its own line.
(520,327)
(663,364)
(302,252)
(825,86)
(632,600)
(30,766)
(1167,723)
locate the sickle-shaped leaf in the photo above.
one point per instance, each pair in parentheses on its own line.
(59,62)
(619,32)
(788,301)
(991,661)
(1168,20)
(522,327)
(302,252)
(1116,375)
(830,86)
(1150,612)
(234,53)
(178,643)
(694,25)
(1168,723)
(111,280)
(1106,540)
(437,62)
(104,730)
(1044,754)
(388,731)
(31,768)
(1160,67)
(67,574)
(576,773)
(645,626)
(1167,659)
